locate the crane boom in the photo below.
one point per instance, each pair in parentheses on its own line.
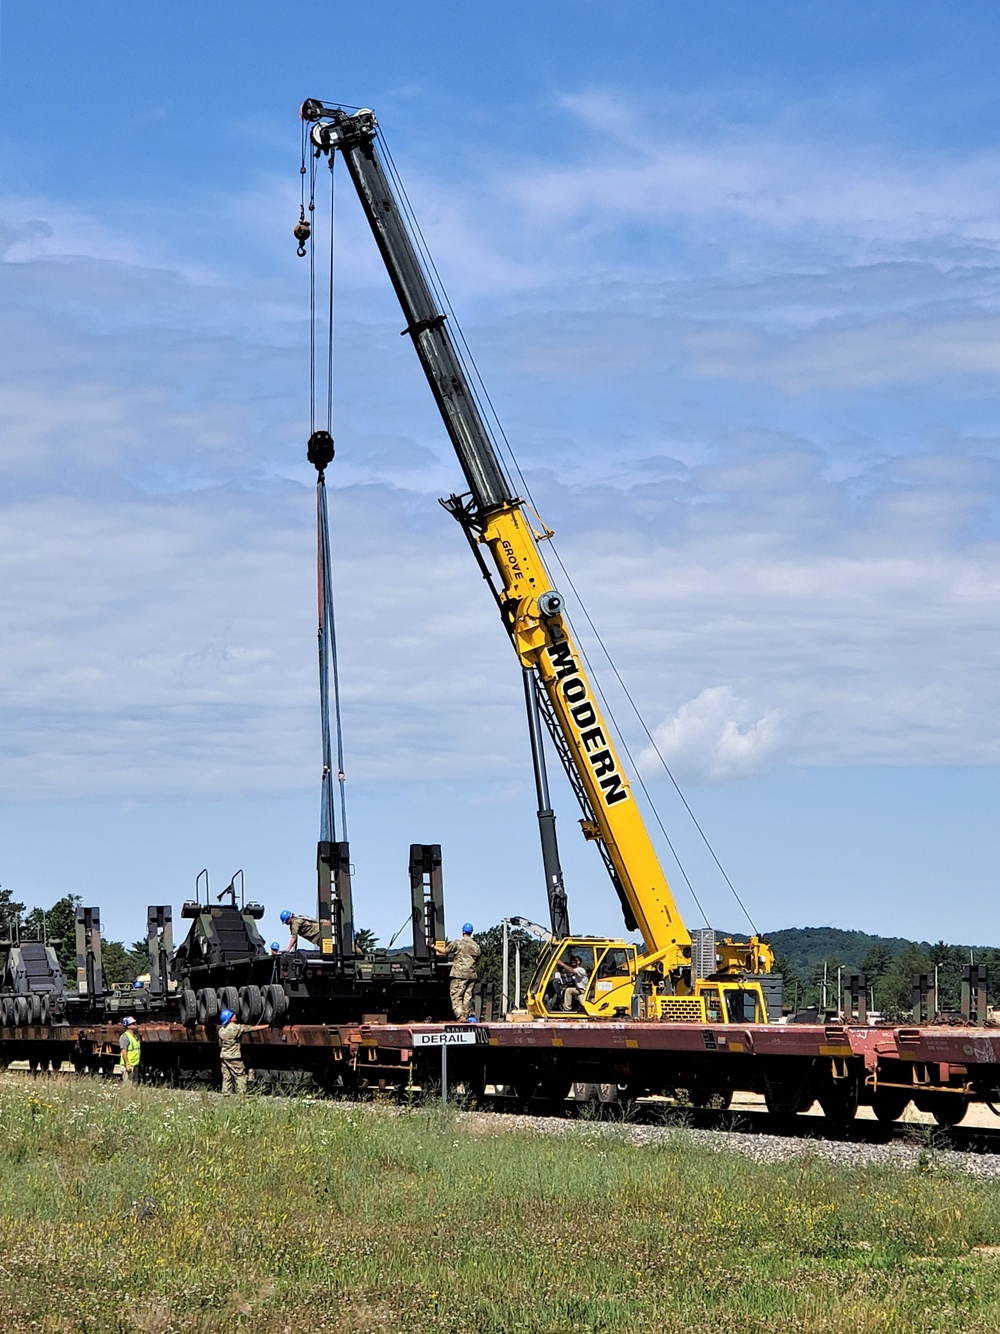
(496,519)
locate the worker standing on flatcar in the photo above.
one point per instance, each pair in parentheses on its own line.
(464,955)
(306,927)
(131,1050)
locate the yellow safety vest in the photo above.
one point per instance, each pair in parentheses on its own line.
(130,1053)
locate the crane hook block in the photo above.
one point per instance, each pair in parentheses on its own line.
(320,449)
(302,232)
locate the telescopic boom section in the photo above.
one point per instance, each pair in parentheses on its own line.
(496,519)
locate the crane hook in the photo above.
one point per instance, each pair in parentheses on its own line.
(303,230)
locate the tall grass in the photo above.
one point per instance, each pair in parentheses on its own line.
(158,1211)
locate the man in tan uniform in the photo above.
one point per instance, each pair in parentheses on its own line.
(306,927)
(234,1072)
(464,955)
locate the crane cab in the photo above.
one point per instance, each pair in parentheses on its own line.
(584,977)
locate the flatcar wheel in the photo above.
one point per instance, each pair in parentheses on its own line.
(229,999)
(187,1009)
(208,1006)
(889,1104)
(839,1101)
(553,1089)
(947,1109)
(786,1099)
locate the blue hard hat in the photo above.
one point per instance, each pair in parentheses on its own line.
(276,947)
(467,929)
(127,1020)
(225,1016)
(136,986)
(286,916)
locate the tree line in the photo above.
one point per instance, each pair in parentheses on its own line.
(57,926)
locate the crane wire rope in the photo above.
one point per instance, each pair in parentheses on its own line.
(488,410)
(326,618)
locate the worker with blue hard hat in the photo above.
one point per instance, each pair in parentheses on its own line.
(306,927)
(275,947)
(464,955)
(234,1072)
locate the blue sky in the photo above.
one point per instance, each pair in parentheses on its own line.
(731,274)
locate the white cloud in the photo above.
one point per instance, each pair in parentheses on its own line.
(768,477)
(714,738)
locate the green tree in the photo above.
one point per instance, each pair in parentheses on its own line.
(894,991)
(948,960)
(10,913)
(123,965)
(365,940)
(491,959)
(792,988)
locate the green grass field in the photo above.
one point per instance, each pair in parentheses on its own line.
(163,1211)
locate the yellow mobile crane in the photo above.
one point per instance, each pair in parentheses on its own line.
(671,976)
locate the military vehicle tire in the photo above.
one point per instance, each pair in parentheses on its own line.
(275,1004)
(34,1007)
(187,1008)
(46,1008)
(208,1006)
(229,999)
(20,1011)
(251,1005)
(6,1011)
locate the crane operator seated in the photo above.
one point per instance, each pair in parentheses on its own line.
(575,979)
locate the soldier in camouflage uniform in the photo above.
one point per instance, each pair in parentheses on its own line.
(306,927)
(234,1072)
(464,955)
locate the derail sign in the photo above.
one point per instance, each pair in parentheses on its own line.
(460,1038)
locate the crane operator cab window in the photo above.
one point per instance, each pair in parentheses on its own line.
(743,1006)
(714,1013)
(570,979)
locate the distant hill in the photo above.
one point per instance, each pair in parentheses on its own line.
(806,946)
